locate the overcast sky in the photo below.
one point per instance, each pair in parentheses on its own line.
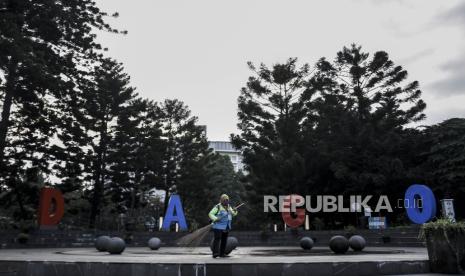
(197,51)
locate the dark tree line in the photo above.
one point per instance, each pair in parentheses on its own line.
(444,160)
(70,118)
(45,49)
(342,127)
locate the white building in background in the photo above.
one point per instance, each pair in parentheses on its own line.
(226,148)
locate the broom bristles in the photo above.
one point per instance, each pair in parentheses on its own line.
(195,238)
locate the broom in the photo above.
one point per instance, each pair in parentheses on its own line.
(193,239)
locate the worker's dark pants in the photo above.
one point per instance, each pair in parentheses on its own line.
(219,241)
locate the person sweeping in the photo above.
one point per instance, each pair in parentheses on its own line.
(221,215)
(195,238)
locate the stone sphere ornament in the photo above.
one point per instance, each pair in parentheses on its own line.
(154,243)
(231,244)
(116,246)
(102,242)
(306,243)
(357,243)
(339,244)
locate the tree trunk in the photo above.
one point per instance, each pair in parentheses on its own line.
(96,197)
(133,198)
(21,205)
(7,102)
(99,177)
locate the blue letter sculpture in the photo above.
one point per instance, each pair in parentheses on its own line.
(174,213)
(429,203)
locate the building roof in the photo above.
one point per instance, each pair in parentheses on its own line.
(222,146)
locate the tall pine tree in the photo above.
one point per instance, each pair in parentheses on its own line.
(358,111)
(270,116)
(107,95)
(185,157)
(44,45)
(136,154)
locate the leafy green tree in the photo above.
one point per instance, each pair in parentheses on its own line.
(28,150)
(21,202)
(223,179)
(42,42)
(445,156)
(443,161)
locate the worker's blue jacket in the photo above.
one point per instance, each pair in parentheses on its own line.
(222,216)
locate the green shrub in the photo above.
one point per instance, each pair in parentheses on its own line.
(350,229)
(444,225)
(445,241)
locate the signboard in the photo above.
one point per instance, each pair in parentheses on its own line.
(377,223)
(448,209)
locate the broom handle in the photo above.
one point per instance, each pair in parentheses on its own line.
(243,203)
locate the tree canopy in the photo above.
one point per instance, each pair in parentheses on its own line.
(70,118)
(341,127)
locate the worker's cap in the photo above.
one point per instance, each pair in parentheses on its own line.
(224,197)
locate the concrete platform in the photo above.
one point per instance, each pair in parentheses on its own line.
(139,261)
(397,236)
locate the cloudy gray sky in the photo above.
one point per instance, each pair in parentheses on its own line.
(197,51)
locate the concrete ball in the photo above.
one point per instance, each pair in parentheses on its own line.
(101,243)
(116,245)
(357,243)
(154,243)
(339,244)
(231,244)
(306,243)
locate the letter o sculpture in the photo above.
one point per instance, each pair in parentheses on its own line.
(429,204)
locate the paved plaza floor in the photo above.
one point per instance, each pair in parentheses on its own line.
(198,261)
(203,255)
